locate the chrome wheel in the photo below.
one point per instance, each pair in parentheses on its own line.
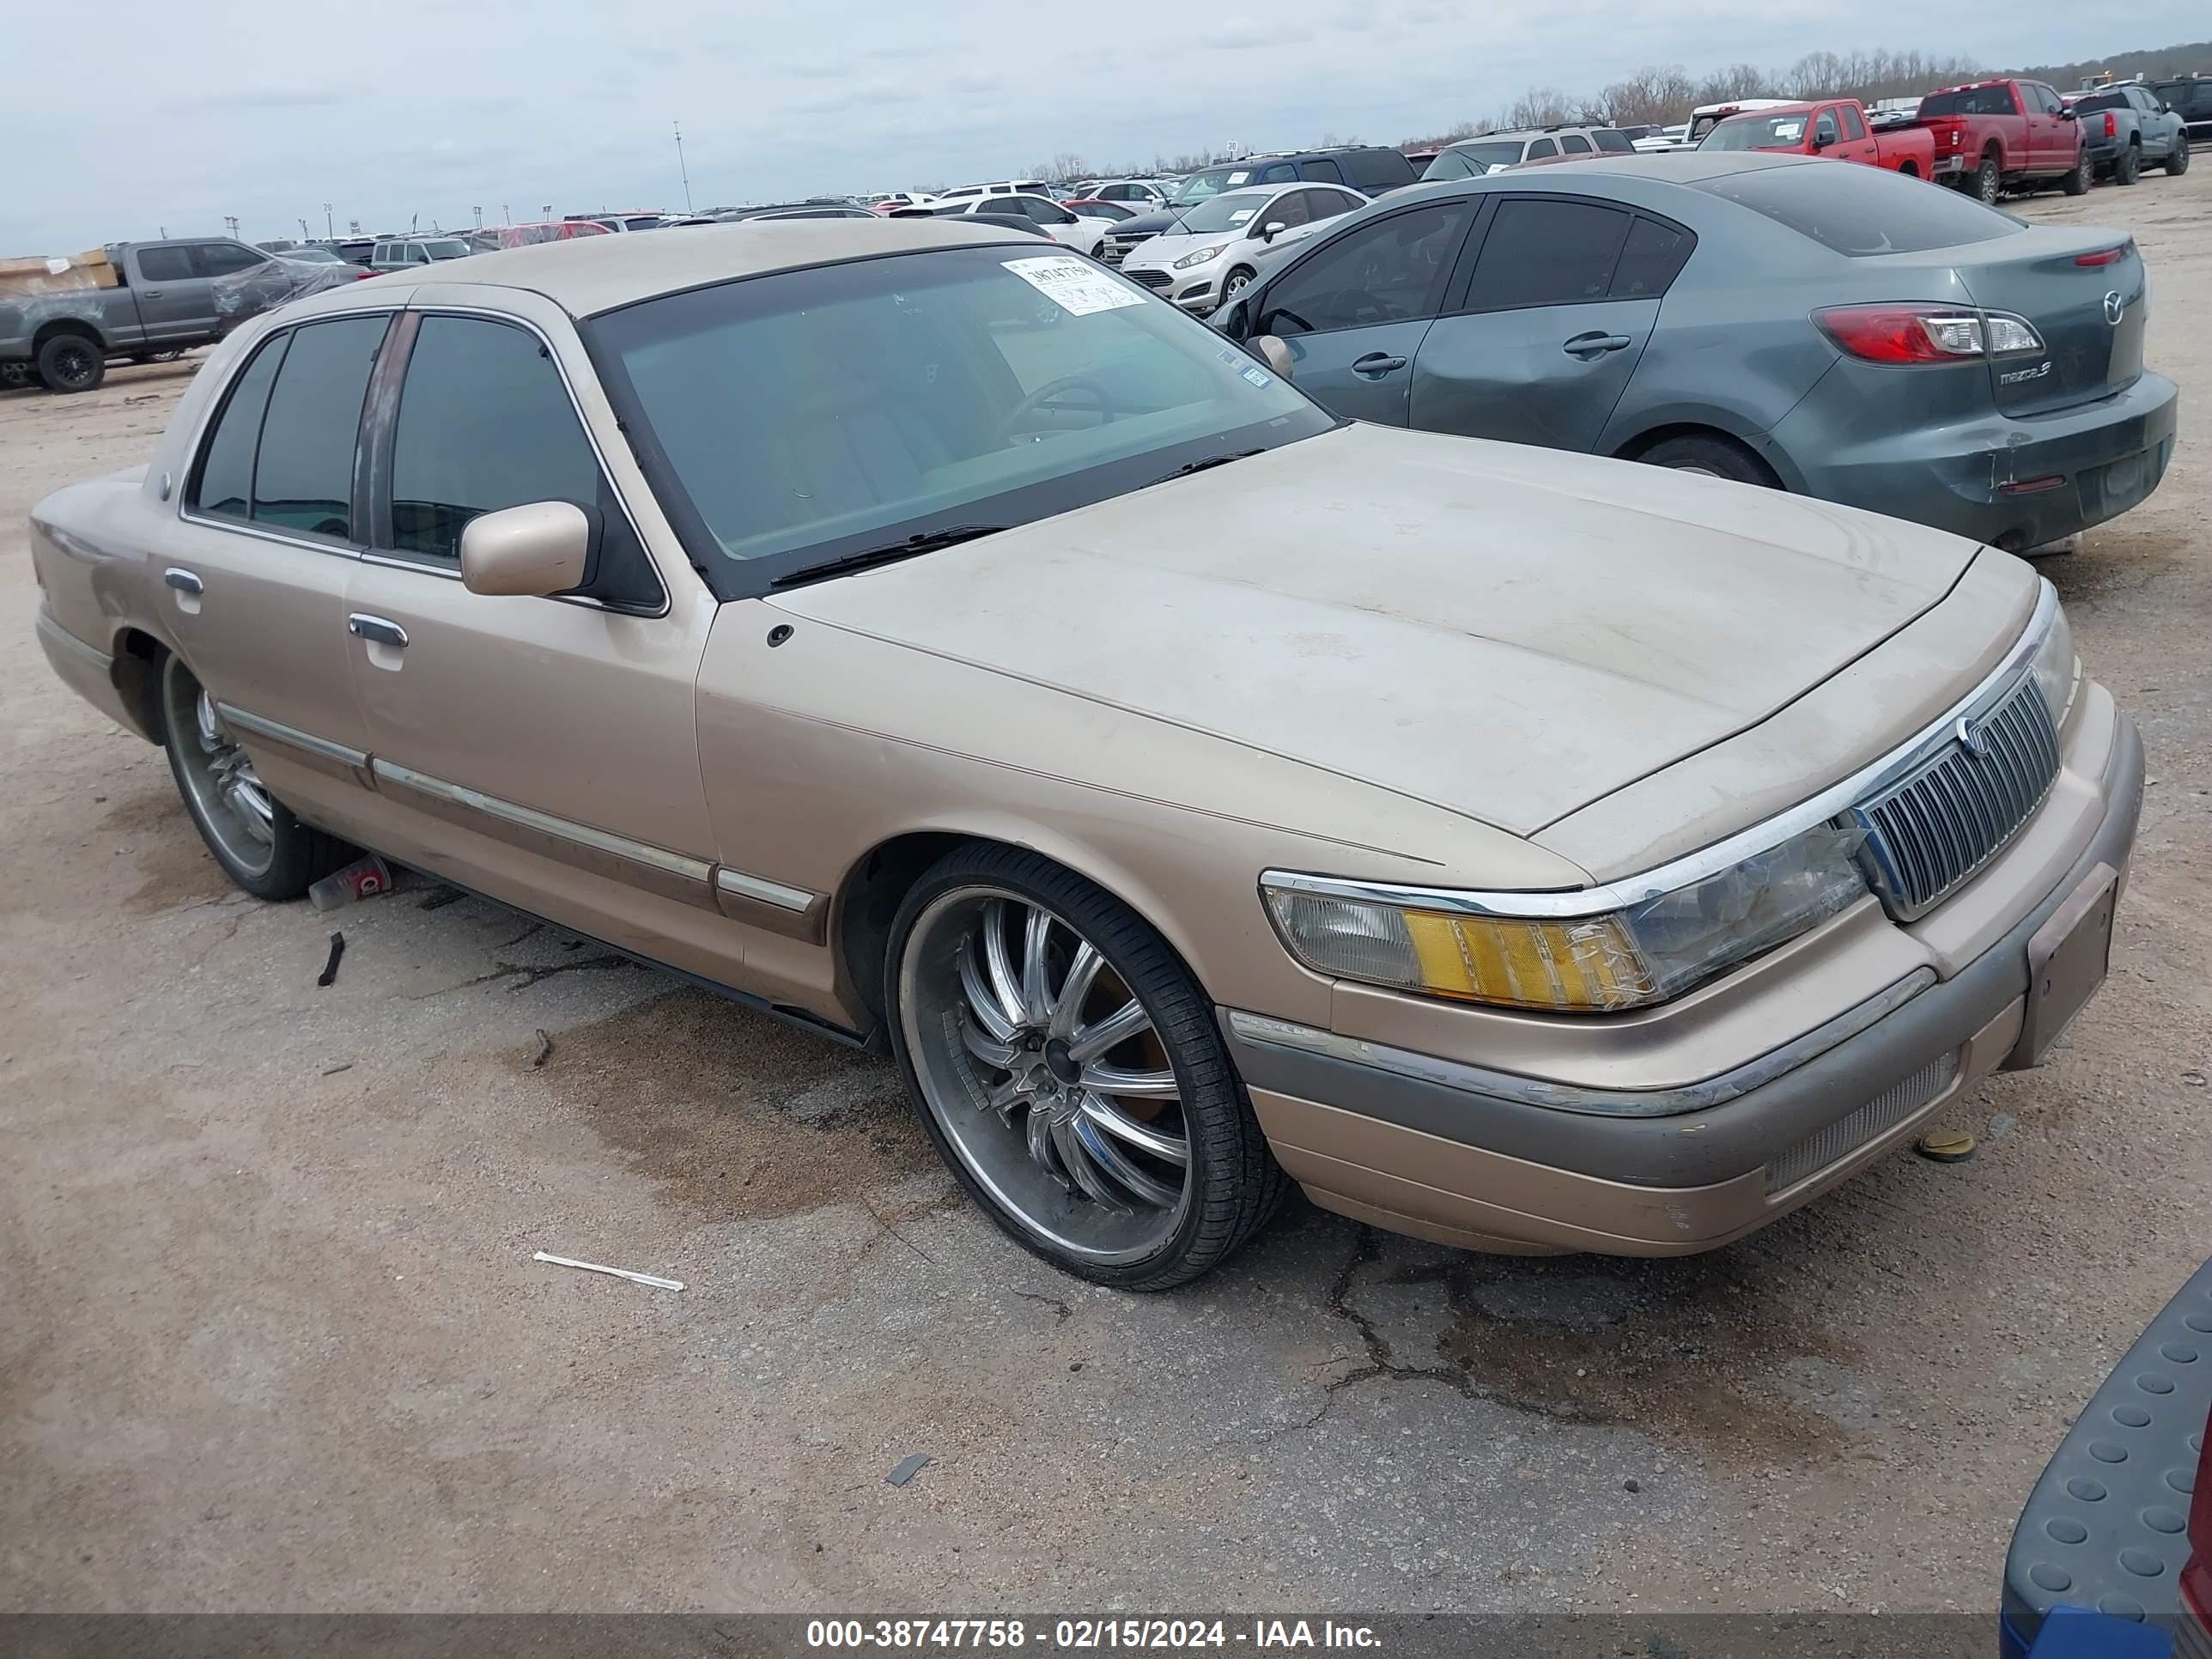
(229,801)
(1046,1074)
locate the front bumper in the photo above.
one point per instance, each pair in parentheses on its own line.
(1193,293)
(1436,1149)
(2109,455)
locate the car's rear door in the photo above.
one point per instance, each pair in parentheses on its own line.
(1537,347)
(545,748)
(251,579)
(175,305)
(1354,311)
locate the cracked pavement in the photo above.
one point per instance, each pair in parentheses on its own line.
(273,1336)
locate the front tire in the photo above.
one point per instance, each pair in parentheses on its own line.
(252,836)
(1069,1070)
(1233,285)
(72,362)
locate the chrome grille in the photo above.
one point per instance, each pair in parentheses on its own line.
(1931,829)
(1115,249)
(1159,279)
(1847,1134)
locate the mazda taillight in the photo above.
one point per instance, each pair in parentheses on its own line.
(1924,334)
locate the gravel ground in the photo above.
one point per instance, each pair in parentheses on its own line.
(273,1337)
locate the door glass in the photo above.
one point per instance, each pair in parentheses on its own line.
(1384,272)
(1575,144)
(484,423)
(303,479)
(1541,146)
(1547,253)
(221,258)
(1854,129)
(1654,256)
(225,481)
(1325,170)
(1287,210)
(1281,174)
(1824,129)
(164,264)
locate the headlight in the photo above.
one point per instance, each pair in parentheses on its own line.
(2058,671)
(1199,257)
(1642,953)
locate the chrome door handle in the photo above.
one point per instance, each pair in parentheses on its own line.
(183,580)
(378,628)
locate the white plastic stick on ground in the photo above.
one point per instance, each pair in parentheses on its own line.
(619,1273)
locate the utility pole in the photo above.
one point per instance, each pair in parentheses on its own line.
(329,229)
(546,212)
(304,236)
(479,213)
(681,172)
(230,223)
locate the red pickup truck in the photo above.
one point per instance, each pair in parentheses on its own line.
(1996,135)
(1838,128)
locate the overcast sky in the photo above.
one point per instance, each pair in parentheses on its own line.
(169,116)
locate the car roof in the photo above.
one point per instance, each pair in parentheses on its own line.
(594,274)
(1681,166)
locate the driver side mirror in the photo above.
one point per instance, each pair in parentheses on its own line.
(533,552)
(1274,353)
(1272,230)
(2065,114)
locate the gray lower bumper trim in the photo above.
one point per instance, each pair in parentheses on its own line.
(1695,1149)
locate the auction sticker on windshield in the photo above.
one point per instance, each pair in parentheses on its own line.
(1076,287)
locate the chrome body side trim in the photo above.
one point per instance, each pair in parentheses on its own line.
(673,875)
(1724,855)
(292,738)
(1596,1103)
(795,912)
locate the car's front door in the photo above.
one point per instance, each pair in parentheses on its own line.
(249,581)
(1539,348)
(171,291)
(545,748)
(1354,311)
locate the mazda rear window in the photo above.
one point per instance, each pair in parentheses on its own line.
(1861,211)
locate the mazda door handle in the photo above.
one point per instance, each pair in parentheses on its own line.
(1376,362)
(183,580)
(1593,345)
(383,632)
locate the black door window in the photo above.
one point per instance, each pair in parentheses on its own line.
(1574,143)
(224,482)
(1282,172)
(164,264)
(1854,129)
(485,422)
(1321,170)
(1547,253)
(1653,258)
(1541,146)
(1287,210)
(1387,271)
(1824,130)
(221,258)
(303,474)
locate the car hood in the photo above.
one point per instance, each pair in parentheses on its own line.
(1507,632)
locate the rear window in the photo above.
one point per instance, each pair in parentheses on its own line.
(2101,101)
(1859,212)
(1969,101)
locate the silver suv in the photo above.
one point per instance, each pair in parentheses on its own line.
(400,252)
(1494,152)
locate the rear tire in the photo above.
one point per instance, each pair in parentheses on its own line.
(71,362)
(2077,183)
(1713,455)
(2127,167)
(252,835)
(1989,181)
(2177,160)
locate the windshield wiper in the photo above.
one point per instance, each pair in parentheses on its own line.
(1190,467)
(889,553)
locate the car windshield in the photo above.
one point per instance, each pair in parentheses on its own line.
(1479,157)
(447,247)
(1859,212)
(1758,132)
(795,418)
(1230,211)
(1211,182)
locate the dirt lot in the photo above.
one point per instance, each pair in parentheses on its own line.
(271,1336)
